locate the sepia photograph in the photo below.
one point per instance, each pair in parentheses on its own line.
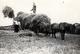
(39,26)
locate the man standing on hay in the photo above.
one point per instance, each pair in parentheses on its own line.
(34,8)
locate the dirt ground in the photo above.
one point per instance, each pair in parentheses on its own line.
(27,42)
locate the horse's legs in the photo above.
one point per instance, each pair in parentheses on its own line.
(53,34)
(62,36)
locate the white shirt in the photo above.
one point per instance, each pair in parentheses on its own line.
(17,23)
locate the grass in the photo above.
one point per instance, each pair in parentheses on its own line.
(30,43)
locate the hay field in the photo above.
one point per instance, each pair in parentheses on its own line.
(27,42)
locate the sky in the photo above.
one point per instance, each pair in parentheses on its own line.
(57,10)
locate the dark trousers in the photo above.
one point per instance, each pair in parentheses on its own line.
(16,28)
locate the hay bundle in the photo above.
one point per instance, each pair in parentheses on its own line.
(41,18)
(8,12)
(20,16)
(19,13)
(27,20)
(40,22)
(24,19)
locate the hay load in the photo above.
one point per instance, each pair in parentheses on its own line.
(8,12)
(41,18)
(40,22)
(33,21)
(24,19)
(27,20)
(20,16)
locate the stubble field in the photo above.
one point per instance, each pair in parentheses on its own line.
(27,42)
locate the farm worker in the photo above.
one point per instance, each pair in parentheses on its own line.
(34,8)
(16,26)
